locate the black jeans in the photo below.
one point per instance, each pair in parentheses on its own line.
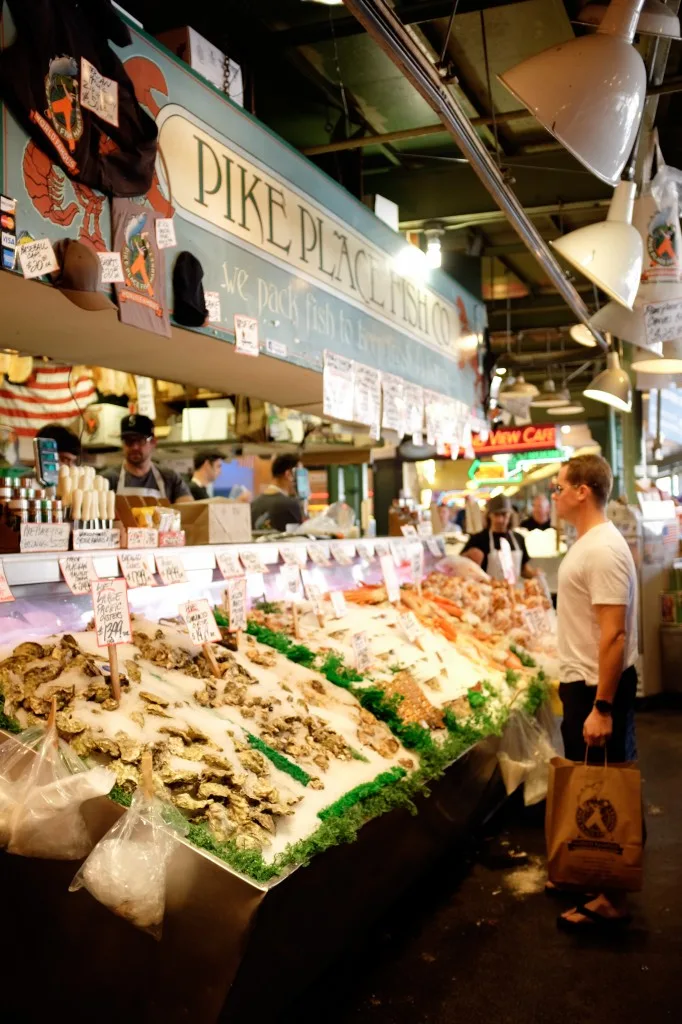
(578,699)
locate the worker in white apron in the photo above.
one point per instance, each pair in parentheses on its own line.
(139,476)
(509,562)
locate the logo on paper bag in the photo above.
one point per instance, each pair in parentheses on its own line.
(596,818)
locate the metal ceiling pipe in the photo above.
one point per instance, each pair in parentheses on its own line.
(381,22)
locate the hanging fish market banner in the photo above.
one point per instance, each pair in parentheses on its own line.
(278,240)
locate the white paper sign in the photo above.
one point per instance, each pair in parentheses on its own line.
(416,563)
(99,94)
(365,550)
(413,397)
(228,563)
(434,546)
(112,615)
(381,547)
(45,536)
(90,540)
(663,321)
(212,300)
(171,569)
(200,620)
(79,573)
(337,386)
(294,554)
(342,552)
(146,406)
(165,233)
(252,561)
(507,561)
(410,627)
(367,397)
(408,530)
(363,657)
(394,414)
(142,537)
(5,593)
(338,603)
(275,348)
(320,553)
(425,529)
(290,576)
(135,569)
(236,603)
(390,578)
(111,268)
(246,335)
(37,258)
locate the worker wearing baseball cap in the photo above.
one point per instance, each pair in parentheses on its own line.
(139,475)
(487,548)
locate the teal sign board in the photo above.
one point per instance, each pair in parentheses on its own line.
(277,239)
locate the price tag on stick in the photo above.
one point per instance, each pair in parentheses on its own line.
(112,623)
(338,603)
(79,573)
(390,578)
(236,604)
(417,566)
(361,650)
(171,569)
(203,629)
(135,569)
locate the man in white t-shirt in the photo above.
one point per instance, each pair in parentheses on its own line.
(597,619)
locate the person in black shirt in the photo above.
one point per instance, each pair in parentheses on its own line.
(207,468)
(483,548)
(541,517)
(139,475)
(278,506)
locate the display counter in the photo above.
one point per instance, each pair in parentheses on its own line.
(424,713)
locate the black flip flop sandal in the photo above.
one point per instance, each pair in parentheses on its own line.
(595,922)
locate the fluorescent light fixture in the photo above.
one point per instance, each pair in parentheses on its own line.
(411,262)
(611,386)
(589,92)
(656,19)
(583,335)
(609,253)
(548,397)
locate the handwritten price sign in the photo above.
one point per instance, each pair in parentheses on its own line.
(246,335)
(112,615)
(165,233)
(390,578)
(236,603)
(170,569)
(111,268)
(200,620)
(79,573)
(37,258)
(361,650)
(135,570)
(99,94)
(228,563)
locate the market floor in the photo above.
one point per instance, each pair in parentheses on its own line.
(478,942)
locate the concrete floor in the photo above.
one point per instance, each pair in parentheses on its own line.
(477,942)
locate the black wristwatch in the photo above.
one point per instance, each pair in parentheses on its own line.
(604,707)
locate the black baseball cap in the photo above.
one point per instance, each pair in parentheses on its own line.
(137,426)
(189,305)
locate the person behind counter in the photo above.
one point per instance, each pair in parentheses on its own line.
(207,468)
(483,548)
(541,518)
(139,475)
(68,445)
(278,506)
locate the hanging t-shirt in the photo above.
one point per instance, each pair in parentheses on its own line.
(597,569)
(70,92)
(142,296)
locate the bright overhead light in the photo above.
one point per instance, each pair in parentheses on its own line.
(609,253)
(327,3)
(571,410)
(548,397)
(656,19)
(565,429)
(434,255)
(611,386)
(500,370)
(411,262)
(583,335)
(589,92)
(669,360)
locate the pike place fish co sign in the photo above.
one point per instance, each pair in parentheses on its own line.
(277,239)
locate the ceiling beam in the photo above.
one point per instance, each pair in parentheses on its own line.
(459,221)
(410,14)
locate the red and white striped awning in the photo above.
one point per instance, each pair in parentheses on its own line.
(52,395)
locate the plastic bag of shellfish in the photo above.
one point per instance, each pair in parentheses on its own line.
(43,786)
(126,871)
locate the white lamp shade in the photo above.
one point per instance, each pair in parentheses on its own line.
(627,324)
(574,409)
(609,253)
(656,19)
(583,335)
(611,386)
(522,389)
(548,397)
(668,362)
(589,94)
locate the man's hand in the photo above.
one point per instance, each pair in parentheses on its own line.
(597,728)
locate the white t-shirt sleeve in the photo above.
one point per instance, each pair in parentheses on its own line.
(609,576)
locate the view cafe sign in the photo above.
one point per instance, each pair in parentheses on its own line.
(533,438)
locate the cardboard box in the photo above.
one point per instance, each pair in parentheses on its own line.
(215,521)
(211,63)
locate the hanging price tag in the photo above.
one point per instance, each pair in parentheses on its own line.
(79,573)
(338,603)
(112,615)
(252,561)
(342,552)
(319,553)
(236,603)
(165,233)
(111,268)
(228,563)
(314,595)
(435,546)
(212,302)
(365,550)
(294,554)
(390,578)
(361,650)
(246,335)
(135,569)
(171,569)
(5,593)
(200,620)
(290,576)
(416,563)
(408,530)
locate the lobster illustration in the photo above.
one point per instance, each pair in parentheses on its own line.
(46,184)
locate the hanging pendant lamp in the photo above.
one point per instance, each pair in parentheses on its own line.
(589,92)
(549,397)
(609,253)
(666,359)
(611,386)
(521,389)
(656,19)
(583,335)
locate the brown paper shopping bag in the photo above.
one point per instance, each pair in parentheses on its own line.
(593,826)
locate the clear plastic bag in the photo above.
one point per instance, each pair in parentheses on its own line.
(42,787)
(126,871)
(524,755)
(459,565)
